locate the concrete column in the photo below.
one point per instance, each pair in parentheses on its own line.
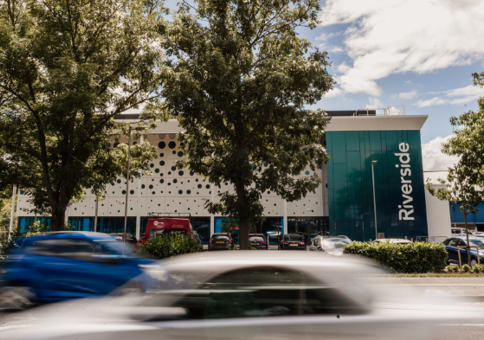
(138,207)
(284,227)
(212,217)
(12,212)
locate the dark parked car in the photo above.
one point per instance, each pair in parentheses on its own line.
(452,243)
(258,241)
(221,241)
(58,266)
(330,246)
(129,238)
(292,241)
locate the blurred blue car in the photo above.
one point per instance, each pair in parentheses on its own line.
(452,243)
(59,266)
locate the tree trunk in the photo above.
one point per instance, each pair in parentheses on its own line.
(244,228)
(58,220)
(244,219)
(467,238)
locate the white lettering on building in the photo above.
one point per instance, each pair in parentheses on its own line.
(406,208)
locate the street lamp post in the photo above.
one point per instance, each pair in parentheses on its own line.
(127,184)
(374,199)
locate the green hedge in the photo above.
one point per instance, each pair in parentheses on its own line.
(170,245)
(418,257)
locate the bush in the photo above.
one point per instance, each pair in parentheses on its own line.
(170,245)
(466,268)
(418,257)
(478,268)
(453,268)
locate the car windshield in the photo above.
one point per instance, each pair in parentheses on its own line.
(295,237)
(331,243)
(477,243)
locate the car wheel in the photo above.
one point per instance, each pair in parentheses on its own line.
(16,298)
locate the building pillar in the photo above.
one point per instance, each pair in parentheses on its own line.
(284,221)
(138,207)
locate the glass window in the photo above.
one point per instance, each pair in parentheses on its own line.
(446,242)
(453,242)
(71,248)
(295,237)
(478,243)
(461,243)
(256,239)
(220,237)
(335,243)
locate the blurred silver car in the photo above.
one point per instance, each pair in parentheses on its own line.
(331,246)
(244,295)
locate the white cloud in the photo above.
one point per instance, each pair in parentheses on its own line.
(433,158)
(388,37)
(432,102)
(408,95)
(334,92)
(374,103)
(457,96)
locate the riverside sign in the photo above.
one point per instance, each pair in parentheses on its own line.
(406,208)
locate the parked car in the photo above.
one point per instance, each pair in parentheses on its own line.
(459,231)
(258,241)
(243,295)
(292,241)
(58,266)
(130,239)
(221,241)
(332,246)
(393,240)
(452,243)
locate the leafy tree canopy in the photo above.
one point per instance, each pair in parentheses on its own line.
(240,84)
(67,68)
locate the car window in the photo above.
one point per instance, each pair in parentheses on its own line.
(256,239)
(220,237)
(446,242)
(260,292)
(71,248)
(461,243)
(295,237)
(453,242)
(456,231)
(477,243)
(332,243)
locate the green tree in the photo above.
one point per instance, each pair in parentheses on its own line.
(67,68)
(459,187)
(240,83)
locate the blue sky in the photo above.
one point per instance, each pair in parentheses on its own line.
(417,53)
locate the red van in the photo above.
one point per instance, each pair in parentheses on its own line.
(160,224)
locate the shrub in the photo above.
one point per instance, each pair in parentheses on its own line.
(478,268)
(453,268)
(418,257)
(466,268)
(170,245)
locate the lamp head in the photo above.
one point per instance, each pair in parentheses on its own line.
(374,162)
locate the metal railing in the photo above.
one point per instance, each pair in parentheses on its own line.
(465,247)
(388,111)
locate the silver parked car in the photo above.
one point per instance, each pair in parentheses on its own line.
(331,246)
(244,295)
